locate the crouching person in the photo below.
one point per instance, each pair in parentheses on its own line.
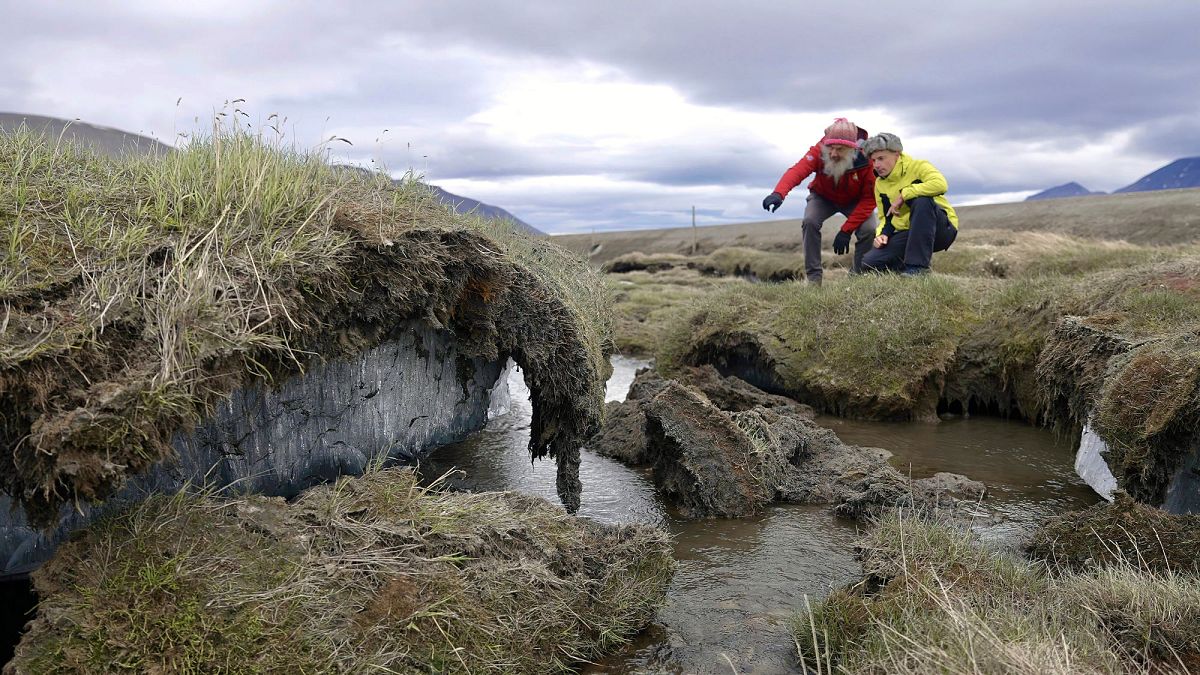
(842,183)
(915,219)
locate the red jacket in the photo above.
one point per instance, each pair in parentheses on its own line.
(857,186)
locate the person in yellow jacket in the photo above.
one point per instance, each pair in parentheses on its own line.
(915,219)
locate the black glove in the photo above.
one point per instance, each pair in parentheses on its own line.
(841,243)
(773,201)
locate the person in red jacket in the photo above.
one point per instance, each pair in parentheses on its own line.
(843,183)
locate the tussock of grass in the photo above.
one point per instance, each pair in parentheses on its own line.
(873,362)
(737,261)
(749,262)
(1123,532)
(138,291)
(640,262)
(368,574)
(935,600)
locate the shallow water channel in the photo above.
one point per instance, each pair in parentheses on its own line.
(740,580)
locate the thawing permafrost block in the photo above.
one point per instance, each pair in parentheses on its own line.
(1090,464)
(399,399)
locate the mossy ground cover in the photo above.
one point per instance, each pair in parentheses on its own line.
(137,291)
(935,600)
(644,303)
(1121,533)
(819,346)
(727,261)
(371,574)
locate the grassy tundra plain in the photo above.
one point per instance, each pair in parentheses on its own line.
(1061,313)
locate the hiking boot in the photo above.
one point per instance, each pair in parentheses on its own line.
(814,281)
(914,271)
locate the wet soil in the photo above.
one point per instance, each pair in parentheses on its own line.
(17,601)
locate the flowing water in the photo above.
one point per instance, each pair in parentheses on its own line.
(740,580)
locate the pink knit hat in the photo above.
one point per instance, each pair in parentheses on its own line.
(841,132)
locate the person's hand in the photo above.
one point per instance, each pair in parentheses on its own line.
(841,243)
(773,201)
(896,204)
(881,241)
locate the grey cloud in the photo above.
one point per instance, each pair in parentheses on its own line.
(1174,136)
(1054,74)
(999,68)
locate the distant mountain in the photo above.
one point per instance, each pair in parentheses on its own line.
(122,143)
(462,205)
(468,205)
(102,139)
(1071,189)
(1182,173)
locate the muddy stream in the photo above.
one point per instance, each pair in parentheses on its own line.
(740,580)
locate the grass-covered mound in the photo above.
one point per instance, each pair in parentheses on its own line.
(640,262)
(371,574)
(737,261)
(935,600)
(1121,532)
(138,291)
(858,348)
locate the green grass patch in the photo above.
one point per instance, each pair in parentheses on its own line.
(864,347)
(645,303)
(749,262)
(935,600)
(373,574)
(1121,533)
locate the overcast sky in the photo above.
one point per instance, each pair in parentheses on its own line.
(619,114)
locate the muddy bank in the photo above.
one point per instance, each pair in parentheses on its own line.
(128,327)
(731,461)
(1141,395)
(368,573)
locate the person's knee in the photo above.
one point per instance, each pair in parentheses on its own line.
(922,205)
(811,223)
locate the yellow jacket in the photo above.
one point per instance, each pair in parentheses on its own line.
(913,178)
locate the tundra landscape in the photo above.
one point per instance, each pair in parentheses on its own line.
(833,338)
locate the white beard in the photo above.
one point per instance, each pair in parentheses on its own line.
(836,169)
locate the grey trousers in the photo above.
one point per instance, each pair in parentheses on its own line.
(816,213)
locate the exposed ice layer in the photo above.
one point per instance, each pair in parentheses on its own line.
(400,399)
(1183,491)
(1090,464)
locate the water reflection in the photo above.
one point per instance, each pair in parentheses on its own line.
(1029,472)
